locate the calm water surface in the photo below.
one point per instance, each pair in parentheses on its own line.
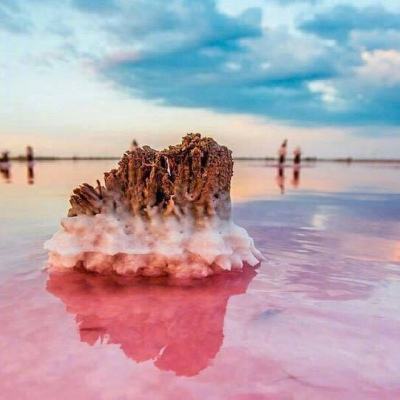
(319,319)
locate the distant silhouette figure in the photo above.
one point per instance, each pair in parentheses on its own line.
(282,152)
(30,163)
(5,166)
(179,328)
(134,144)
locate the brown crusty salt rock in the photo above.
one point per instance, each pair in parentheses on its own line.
(190,178)
(159,213)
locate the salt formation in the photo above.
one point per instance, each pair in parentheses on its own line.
(159,213)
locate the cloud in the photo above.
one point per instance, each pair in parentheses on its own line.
(288,2)
(337,23)
(182,24)
(192,54)
(376,39)
(96,6)
(12,19)
(371,94)
(381,67)
(230,64)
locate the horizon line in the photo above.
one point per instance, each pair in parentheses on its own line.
(239,158)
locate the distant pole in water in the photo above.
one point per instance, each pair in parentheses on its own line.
(280,178)
(5,166)
(29,154)
(296,166)
(297,156)
(30,163)
(4,159)
(134,145)
(282,152)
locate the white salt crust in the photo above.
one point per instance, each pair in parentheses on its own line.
(129,245)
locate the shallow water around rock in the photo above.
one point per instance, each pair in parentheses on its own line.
(319,319)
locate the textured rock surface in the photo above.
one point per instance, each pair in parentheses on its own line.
(193,177)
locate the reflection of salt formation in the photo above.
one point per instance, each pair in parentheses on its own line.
(159,212)
(180,328)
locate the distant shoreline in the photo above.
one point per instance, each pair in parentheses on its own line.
(305,159)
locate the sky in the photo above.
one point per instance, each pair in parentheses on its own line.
(85,77)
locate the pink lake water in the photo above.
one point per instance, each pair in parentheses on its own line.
(319,319)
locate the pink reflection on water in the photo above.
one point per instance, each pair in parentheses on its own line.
(319,321)
(179,327)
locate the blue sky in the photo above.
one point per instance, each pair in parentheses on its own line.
(85,76)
